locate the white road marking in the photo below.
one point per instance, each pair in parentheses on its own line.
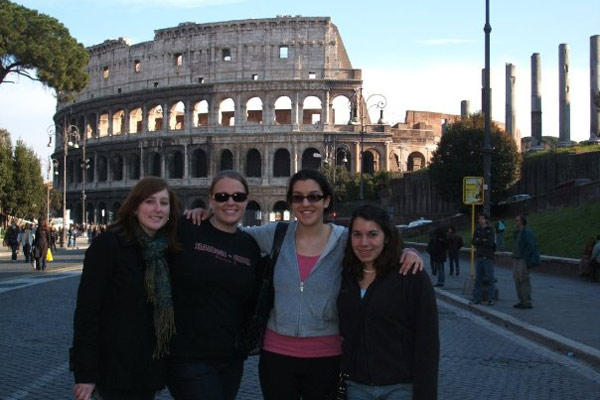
(30,280)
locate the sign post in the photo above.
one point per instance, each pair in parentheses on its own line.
(473,194)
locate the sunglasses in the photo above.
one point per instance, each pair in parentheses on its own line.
(238,197)
(312,198)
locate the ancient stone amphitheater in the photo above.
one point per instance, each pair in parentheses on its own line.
(265,97)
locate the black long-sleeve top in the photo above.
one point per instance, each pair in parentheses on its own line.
(391,335)
(113,338)
(484,241)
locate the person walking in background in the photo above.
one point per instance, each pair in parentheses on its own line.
(124,318)
(40,244)
(388,321)
(485,246)
(437,249)
(27,236)
(500,228)
(595,261)
(455,242)
(525,255)
(11,239)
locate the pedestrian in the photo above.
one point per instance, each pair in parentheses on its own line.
(525,255)
(11,239)
(28,237)
(302,347)
(485,247)
(595,261)
(455,242)
(438,249)
(214,285)
(40,245)
(124,319)
(500,228)
(376,308)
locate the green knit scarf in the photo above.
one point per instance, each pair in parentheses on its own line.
(158,288)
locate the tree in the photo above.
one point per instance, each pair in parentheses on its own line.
(39,47)
(459,154)
(30,191)
(6,173)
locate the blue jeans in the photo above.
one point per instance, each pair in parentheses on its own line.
(358,391)
(453,262)
(439,267)
(191,379)
(484,272)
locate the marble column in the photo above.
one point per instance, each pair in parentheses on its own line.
(536,100)
(595,88)
(564,95)
(465,108)
(510,114)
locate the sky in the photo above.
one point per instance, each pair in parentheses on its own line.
(424,55)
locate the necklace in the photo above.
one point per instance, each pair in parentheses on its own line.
(369,271)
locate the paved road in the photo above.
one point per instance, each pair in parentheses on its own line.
(479,360)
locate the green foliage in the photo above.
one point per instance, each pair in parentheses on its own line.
(577,149)
(29,192)
(6,173)
(347,185)
(33,41)
(459,154)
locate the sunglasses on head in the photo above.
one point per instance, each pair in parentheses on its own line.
(238,197)
(312,198)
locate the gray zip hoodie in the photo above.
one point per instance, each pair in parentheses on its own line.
(304,309)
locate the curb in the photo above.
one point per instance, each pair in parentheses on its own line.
(542,336)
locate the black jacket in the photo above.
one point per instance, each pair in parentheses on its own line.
(114,338)
(484,241)
(391,335)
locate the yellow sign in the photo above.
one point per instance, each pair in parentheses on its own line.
(473,190)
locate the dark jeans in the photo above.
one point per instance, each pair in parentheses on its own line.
(484,273)
(439,267)
(102,393)
(14,247)
(288,378)
(453,261)
(191,379)
(27,252)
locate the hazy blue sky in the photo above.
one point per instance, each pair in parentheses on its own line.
(422,55)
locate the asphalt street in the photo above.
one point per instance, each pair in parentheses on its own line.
(479,360)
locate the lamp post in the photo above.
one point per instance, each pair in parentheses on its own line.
(487,149)
(380,103)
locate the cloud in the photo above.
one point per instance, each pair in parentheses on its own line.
(443,42)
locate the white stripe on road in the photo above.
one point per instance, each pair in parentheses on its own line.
(39,383)
(30,280)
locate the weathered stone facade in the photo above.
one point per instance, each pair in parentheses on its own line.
(266,97)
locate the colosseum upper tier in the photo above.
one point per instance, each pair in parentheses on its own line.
(265,97)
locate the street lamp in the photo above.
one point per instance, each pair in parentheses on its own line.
(379,101)
(487,112)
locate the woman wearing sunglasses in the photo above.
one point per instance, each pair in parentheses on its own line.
(214,285)
(302,346)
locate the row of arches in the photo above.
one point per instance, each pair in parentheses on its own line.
(186,114)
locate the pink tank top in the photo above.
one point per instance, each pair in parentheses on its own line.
(303,347)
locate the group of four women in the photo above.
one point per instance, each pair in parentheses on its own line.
(162,301)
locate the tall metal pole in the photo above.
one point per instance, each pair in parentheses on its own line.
(487,149)
(84,167)
(361,194)
(64,182)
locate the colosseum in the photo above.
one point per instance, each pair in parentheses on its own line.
(266,97)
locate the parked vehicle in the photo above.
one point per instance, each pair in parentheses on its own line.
(515,198)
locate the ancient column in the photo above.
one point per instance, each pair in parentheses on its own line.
(564,96)
(536,100)
(510,116)
(465,108)
(595,88)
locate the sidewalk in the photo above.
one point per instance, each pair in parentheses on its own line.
(565,314)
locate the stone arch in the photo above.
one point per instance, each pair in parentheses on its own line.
(341,111)
(393,162)
(70,174)
(199,164)
(102,213)
(102,169)
(175,164)
(281,163)
(90,171)
(415,161)
(279,209)
(90,212)
(112,214)
(343,158)
(77,170)
(200,113)
(227,112)
(89,130)
(253,214)
(283,110)
(118,122)
(153,164)
(103,124)
(135,120)
(371,161)
(311,158)
(226,161)
(253,164)
(116,168)
(198,203)
(312,108)
(254,110)
(177,116)
(133,166)
(155,118)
